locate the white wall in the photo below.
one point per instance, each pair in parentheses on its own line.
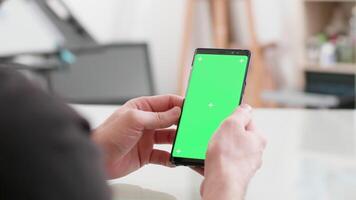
(23,29)
(160,23)
(98,17)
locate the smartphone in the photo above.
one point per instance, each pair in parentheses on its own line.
(216,86)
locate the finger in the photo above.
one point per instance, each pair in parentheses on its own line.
(243,115)
(160,157)
(158,103)
(199,170)
(165,102)
(263,141)
(251,126)
(165,136)
(154,120)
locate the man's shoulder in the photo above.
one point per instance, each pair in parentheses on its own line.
(10,78)
(11,67)
(19,95)
(9,71)
(44,141)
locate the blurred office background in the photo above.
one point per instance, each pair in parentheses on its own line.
(303,66)
(108,51)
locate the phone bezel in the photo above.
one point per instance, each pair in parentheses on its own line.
(199,162)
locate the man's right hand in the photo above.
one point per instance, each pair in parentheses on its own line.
(233,157)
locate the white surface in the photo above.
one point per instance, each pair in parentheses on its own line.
(300,99)
(311,155)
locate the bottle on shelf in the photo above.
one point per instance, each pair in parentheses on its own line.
(344,49)
(327,54)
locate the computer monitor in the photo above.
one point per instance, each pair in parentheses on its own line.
(109,74)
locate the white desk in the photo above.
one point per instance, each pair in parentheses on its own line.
(311,154)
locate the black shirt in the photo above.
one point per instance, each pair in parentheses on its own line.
(45,147)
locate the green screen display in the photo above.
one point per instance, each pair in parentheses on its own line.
(214,92)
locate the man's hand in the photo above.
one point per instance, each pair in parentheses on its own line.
(127,136)
(234,155)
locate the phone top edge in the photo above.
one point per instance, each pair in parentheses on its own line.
(245,52)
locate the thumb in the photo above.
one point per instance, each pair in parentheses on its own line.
(154,120)
(242,115)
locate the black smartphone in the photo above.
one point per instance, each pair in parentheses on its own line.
(215,90)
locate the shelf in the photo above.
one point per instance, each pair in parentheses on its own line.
(340,68)
(319,13)
(330,1)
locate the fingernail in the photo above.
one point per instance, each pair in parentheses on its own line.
(176,111)
(246,107)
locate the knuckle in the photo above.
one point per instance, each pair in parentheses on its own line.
(128,102)
(230,122)
(238,121)
(241,113)
(172,95)
(137,99)
(132,101)
(132,119)
(259,163)
(159,118)
(263,141)
(131,115)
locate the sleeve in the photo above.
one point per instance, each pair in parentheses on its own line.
(45,147)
